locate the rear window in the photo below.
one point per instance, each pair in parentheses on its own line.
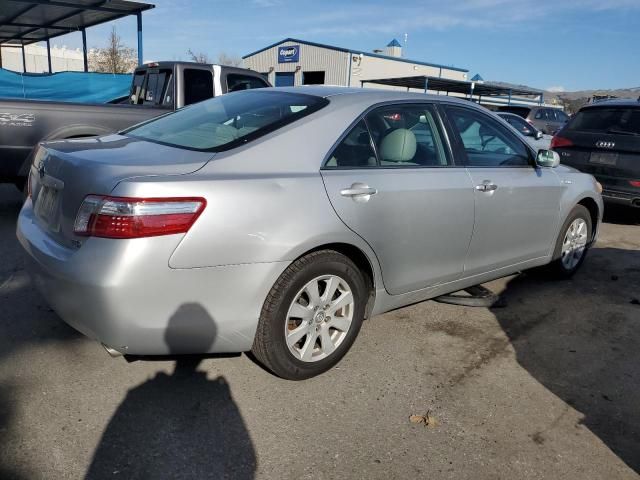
(623,121)
(227,121)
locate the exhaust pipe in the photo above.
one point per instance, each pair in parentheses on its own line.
(112,351)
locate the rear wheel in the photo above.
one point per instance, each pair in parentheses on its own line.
(311,316)
(572,244)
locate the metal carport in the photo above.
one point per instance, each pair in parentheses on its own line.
(466,88)
(23,22)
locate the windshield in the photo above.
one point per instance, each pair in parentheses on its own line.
(229,120)
(614,120)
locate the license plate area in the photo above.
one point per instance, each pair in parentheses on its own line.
(46,207)
(608,159)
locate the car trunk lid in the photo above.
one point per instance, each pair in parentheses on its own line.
(64,173)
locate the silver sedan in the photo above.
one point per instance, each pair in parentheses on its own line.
(277,220)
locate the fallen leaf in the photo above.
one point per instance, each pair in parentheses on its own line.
(431,420)
(417,419)
(427,420)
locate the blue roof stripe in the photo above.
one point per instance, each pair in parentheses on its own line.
(357,52)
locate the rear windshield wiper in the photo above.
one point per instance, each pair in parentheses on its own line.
(623,132)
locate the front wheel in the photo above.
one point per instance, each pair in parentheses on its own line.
(573,243)
(311,316)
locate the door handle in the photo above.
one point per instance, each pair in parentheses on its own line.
(360,192)
(358,189)
(486,186)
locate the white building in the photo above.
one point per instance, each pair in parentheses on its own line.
(299,62)
(62,59)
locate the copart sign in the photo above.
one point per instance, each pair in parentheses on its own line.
(289,54)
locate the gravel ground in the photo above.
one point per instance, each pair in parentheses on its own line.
(547,387)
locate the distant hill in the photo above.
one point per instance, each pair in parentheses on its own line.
(572,101)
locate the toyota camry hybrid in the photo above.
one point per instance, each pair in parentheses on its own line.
(276,220)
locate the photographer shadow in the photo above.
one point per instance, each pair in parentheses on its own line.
(182,425)
(579,338)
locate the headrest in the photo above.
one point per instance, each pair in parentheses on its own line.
(398,146)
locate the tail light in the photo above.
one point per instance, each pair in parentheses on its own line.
(559,142)
(123,217)
(635,183)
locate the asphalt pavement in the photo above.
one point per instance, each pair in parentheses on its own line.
(546,387)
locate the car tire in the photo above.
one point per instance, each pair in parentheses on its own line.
(290,311)
(572,244)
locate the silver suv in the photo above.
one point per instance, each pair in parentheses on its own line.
(546,119)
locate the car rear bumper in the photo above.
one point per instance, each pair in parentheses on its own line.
(621,198)
(123,293)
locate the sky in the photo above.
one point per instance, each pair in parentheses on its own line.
(558,45)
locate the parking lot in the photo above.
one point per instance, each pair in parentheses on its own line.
(546,387)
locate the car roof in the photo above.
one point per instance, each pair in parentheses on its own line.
(367,95)
(528,109)
(508,114)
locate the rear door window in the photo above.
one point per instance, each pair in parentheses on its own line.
(612,120)
(562,117)
(237,82)
(198,85)
(407,136)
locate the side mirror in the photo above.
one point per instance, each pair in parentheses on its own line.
(538,135)
(547,158)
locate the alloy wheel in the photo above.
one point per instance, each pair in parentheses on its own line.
(319,318)
(574,243)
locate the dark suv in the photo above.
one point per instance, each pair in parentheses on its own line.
(603,139)
(547,120)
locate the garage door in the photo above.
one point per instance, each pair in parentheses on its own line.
(285,79)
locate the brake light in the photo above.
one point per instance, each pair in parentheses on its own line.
(559,142)
(123,217)
(635,183)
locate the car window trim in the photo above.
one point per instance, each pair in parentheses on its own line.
(460,145)
(439,119)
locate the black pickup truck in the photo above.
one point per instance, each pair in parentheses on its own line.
(156,88)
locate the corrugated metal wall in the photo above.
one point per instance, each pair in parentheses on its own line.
(368,68)
(334,63)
